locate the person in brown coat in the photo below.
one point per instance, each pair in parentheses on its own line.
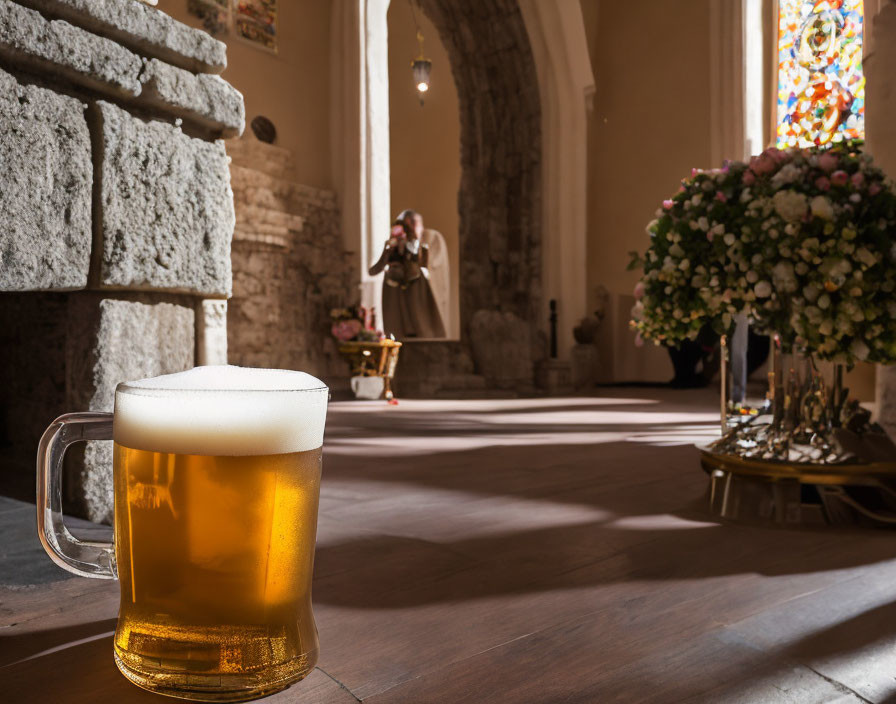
(409,307)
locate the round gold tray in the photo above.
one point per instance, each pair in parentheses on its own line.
(799,494)
(862,474)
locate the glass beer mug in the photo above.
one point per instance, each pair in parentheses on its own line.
(216,483)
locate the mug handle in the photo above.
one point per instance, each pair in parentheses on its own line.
(84,558)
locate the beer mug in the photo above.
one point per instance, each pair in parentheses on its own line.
(216,486)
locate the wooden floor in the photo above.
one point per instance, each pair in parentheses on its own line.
(543,551)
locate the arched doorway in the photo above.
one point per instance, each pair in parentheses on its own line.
(510,90)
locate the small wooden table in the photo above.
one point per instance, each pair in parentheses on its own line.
(373,359)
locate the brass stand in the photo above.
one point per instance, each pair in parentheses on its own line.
(811,456)
(772,492)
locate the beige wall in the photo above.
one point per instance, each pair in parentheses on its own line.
(650,122)
(425,141)
(292,87)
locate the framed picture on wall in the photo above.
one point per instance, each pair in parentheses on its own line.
(255,21)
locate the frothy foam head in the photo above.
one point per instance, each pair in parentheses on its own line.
(222,410)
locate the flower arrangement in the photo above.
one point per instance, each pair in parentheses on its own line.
(354,324)
(802,241)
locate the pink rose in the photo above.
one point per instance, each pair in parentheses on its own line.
(749,178)
(822,183)
(839,178)
(721,197)
(778,155)
(667,204)
(827,162)
(639,290)
(874,189)
(710,235)
(346,330)
(639,341)
(858,178)
(765,163)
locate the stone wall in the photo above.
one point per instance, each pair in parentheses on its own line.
(289,268)
(118,215)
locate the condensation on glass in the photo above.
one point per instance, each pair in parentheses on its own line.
(821,87)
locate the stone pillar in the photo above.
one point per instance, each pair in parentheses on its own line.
(880,132)
(117,210)
(211,332)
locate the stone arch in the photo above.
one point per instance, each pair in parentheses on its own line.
(500,53)
(500,127)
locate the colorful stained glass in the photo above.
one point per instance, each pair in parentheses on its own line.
(821,87)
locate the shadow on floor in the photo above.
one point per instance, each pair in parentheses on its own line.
(78,672)
(652,523)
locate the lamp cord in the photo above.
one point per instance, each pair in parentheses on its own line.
(417,27)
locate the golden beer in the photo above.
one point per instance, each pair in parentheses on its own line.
(216,497)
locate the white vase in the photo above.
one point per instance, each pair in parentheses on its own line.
(368,387)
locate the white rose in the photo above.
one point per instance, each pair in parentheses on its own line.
(787,174)
(783,276)
(866,257)
(859,349)
(813,315)
(790,205)
(822,208)
(763,289)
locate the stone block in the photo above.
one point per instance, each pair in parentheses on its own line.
(30,41)
(145,29)
(502,349)
(209,100)
(108,341)
(45,189)
(258,156)
(165,208)
(211,332)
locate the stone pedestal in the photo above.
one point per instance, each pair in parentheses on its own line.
(554,376)
(117,211)
(583,360)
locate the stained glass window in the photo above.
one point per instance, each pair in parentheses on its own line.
(821,87)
